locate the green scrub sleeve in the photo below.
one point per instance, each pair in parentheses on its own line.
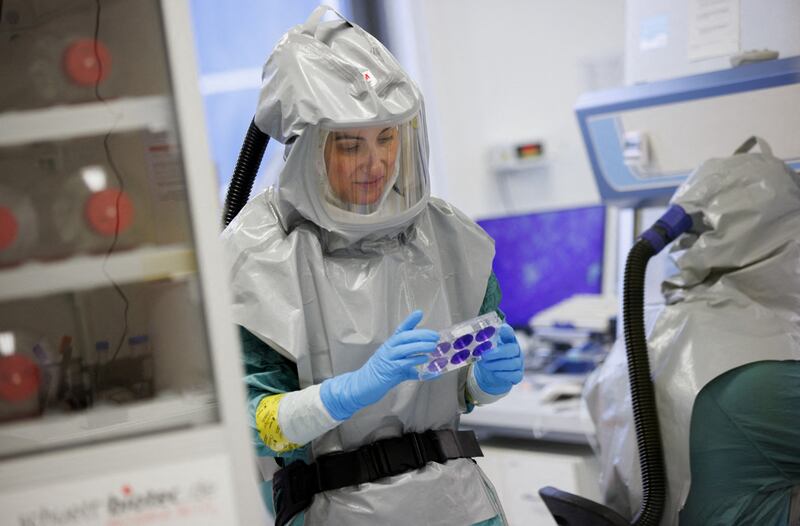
(491,300)
(267,372)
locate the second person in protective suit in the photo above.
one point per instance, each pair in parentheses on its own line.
(335,271)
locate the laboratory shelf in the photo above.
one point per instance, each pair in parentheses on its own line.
(154,113)
(86,272)
(102,422)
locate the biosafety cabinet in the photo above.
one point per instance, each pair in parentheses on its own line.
(121,399)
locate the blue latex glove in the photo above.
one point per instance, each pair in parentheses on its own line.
(501,368)
(394,362)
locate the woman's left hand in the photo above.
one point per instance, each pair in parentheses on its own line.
(501,368)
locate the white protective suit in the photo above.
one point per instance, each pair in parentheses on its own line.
(735,300)
(326,287)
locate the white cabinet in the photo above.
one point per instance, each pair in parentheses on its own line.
(118,358)
(518,474)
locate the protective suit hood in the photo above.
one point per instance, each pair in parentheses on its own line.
(744,210)
(324,76)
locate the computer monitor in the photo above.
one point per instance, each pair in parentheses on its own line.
(546,257)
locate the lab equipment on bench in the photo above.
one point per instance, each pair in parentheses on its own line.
(573,336)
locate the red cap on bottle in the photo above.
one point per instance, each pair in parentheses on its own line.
(9,228)
(19,378)
(87,61)
(103,208)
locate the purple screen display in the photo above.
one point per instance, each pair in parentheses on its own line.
(544,258)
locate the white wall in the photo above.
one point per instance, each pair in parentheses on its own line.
(508,71)
(658,39)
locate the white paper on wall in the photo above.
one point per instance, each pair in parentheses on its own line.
(713,28)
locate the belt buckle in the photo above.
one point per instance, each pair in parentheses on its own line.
(417,450)
(418,456)
(380,464)
(318,474)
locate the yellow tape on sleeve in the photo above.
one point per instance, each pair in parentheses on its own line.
(268,427)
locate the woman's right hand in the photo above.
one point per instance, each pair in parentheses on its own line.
(394,362)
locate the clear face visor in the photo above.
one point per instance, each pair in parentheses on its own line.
(371,173)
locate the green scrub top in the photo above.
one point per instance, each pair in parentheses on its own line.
(745,447)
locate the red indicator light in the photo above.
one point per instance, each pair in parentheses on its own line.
(525,151)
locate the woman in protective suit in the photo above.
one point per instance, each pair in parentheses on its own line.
(335,270)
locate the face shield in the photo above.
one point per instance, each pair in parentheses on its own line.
(370,174)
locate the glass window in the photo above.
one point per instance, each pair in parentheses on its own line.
(102,331)
(233,40)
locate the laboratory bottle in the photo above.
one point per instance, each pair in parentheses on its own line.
(53,56)
(19,227)
(26,362)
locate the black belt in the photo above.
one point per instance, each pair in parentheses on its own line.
(294,486)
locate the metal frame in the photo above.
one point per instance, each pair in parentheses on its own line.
(206,222)
(749,77)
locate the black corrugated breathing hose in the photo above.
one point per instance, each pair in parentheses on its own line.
(572,510)
(255,143)
(645,415)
